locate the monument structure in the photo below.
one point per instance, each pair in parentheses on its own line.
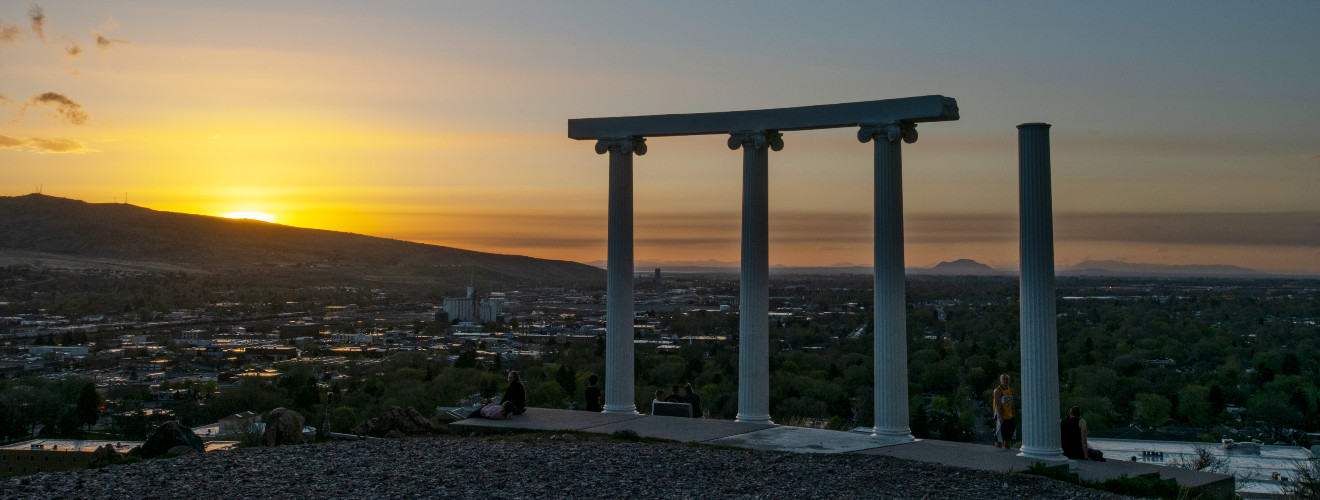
(756,133)
(887,123)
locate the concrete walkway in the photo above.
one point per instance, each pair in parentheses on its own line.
(768,437)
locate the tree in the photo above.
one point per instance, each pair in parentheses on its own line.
(1194,406)
(88,405)
(466,359)
(1151,410)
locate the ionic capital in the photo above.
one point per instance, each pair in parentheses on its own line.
(757,139)
(625,145)
(888,132)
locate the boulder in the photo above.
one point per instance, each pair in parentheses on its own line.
(168,435)
(395,422)
(105,453)
(283,426)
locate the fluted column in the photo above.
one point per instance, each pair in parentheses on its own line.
(891,374)
(754,295)
(1040,353)
(619,389)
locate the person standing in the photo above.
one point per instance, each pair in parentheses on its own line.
(1072,431)
(1005,421)
(593,394)
(516,394)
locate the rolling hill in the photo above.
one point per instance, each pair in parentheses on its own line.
(73,233)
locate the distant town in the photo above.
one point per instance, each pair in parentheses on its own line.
(1193,359)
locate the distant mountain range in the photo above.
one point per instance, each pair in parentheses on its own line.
(71,233)
(1116,268)
(968,267)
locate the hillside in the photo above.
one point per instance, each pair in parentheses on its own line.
(534,466)
(61,231)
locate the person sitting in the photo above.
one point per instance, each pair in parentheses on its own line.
(1072,431)
(496,411)
(516,394)
(674,396)
(690,397)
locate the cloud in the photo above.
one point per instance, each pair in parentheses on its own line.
(39,145)
(10,33)
(106,43)
(72,49)
(38,18)
(64,107)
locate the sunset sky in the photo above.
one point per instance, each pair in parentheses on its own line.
(1183,133)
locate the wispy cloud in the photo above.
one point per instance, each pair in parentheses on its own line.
(40,145)
(72,50)
(106,43)
(64,107)
(38,18)
(10,33)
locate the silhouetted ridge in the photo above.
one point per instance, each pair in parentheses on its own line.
(39,223)
(963,267)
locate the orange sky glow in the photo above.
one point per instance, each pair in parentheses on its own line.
(1173,143)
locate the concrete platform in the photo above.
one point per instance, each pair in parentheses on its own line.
(967,455)
(768,437)
(687,430)
(803,440)
(541,419)
(1220,485)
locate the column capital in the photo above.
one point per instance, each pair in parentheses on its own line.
(891,132)
(625,145)
(757,139)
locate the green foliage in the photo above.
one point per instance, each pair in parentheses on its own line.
(1151,410)
(343,419)
(1194,406)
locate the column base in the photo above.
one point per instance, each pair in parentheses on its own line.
(1051,457)
(754,419)
(624,410)
(902,434)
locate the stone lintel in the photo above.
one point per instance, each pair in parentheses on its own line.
(931,108)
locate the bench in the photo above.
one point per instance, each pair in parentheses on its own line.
(671,409)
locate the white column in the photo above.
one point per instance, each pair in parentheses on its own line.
(753,298)
(619,385)
(1039,413)
(891,381)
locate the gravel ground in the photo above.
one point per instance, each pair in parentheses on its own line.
(532,466)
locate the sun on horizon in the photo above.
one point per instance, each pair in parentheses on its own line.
(261,216)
